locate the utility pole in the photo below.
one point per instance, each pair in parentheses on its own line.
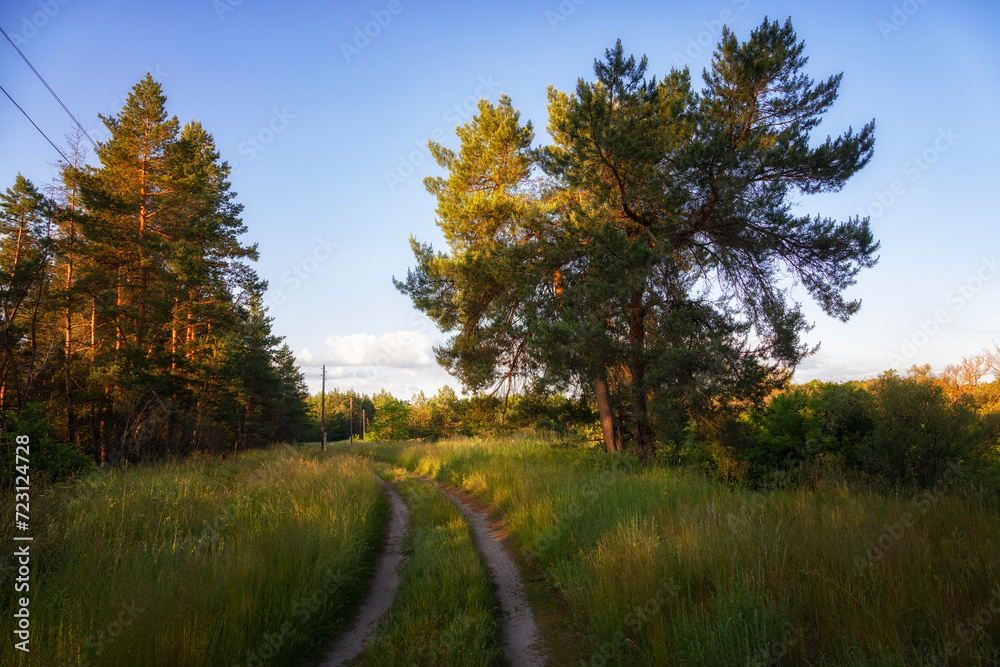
(364,422)
(322,411)
(352,419)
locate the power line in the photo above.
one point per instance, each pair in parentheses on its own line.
(68,112)
(33,123)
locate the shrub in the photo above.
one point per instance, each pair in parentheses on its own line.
(805,421)
(894,431)
(918,432)
(52,460)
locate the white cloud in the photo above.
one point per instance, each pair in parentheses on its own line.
(828,368)
(397,349)
(401,362)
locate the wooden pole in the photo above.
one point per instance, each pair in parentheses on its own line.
(322,411)
(352,419)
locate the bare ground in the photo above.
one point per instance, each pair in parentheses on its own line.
(385,584)
(522,642)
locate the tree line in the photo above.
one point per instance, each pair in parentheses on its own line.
(132,319)
(911,430)
(383,416)
(914,430)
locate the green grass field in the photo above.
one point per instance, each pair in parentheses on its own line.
(252,560)
(661,566)
(263,558)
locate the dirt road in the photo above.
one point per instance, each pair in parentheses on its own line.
(385,584)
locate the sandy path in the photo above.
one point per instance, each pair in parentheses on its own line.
(385,584)
(521,639)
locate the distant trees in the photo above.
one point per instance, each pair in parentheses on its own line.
(338,414)
(392,418)
(435,417)
(966,374)
(643,256)
(445,415)
(129,307)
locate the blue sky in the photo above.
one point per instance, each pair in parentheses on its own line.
(326,127)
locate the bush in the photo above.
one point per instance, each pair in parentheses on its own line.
(918,432)
(53,461)
(893,431)
(805,421)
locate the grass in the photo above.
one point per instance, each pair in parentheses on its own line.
(248,560)
(445,612)
(263,558)
(662,566)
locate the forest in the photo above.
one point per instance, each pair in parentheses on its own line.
(132,317)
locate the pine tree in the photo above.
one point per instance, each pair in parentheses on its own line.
(291,420)
(654,248)
(181,346)
(488,220)
(129,200)
(25,252)
(67,219)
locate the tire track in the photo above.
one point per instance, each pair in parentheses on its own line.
(385,584)
(522,642)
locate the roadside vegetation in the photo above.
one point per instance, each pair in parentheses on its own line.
(249,560)
(665,566)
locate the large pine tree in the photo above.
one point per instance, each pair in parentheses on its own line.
(655,248)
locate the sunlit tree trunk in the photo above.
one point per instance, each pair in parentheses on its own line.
(603,399)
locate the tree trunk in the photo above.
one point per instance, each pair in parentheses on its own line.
(174,325)
(31,374)
(640,417)
(95,436)
(140,334)
(118,307)
(70,417)
(78,158)
(603,399)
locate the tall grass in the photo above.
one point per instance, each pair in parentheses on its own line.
(248,560)
(445,612)
(670,568)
